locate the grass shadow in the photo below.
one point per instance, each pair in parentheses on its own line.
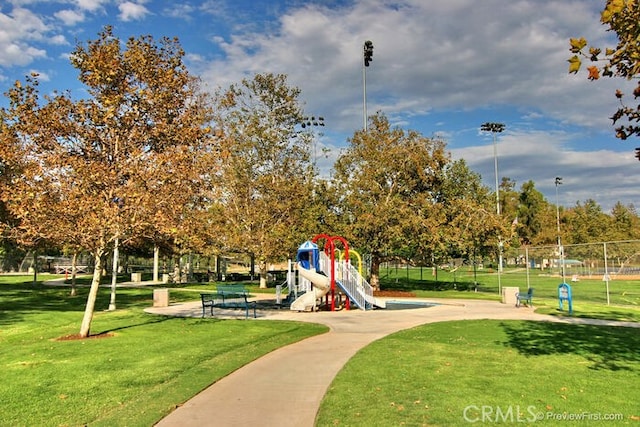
(606,347)
(151,321)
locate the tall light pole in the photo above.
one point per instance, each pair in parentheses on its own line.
(495,128)
(368,57)
(560,248)
(308,122)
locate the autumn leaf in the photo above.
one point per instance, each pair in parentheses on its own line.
(577,44)
(574,64)
(615,6)
(594,72)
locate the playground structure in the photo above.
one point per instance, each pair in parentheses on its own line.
(328,275)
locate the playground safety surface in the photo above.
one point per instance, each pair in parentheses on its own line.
(286,386)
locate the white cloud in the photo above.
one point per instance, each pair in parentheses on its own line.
(69,17)
(19,54)
(17,30)
(180,11)
(90,5)
(130,11)
(58,40)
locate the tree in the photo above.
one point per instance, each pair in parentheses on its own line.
(10,168)
(267,173)
(621,17)
(508,199)
(137,151)
(530,214)
(586,223)
(624,223)
(472,224)
(388,181)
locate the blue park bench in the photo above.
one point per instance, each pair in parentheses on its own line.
(228,297)
(525,298)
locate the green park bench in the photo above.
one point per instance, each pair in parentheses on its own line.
(526,298)
(228,297)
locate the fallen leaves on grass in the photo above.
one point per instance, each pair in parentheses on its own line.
(74,337)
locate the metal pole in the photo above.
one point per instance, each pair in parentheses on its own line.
(606,272)
(495,167)
(364,97)
(560,248)
(526,260)
(496,128)
(367,57)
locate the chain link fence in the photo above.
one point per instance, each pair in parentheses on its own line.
(604,261)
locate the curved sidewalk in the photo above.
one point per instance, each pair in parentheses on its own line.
(286,386)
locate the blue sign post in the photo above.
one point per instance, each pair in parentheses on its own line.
(564,294)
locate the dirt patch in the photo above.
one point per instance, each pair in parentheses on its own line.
(394,294)
(74,337)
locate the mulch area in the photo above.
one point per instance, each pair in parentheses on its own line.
(74,337)
(394,294)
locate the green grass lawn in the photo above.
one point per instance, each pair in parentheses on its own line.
(489,371)
(136,375)
(589,295)
(593,289)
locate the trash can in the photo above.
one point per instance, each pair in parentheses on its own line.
(161,297)
(509,295)
(136,277)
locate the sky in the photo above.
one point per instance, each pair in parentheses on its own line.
(440,67)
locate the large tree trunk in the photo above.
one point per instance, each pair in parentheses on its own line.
(263,274)
(114,274)
(35,267)
(156,262)
(374,280)
(93,293)
(74,262)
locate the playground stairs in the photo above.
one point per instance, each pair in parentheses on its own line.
(353,285)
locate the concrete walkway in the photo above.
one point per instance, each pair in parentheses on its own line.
(286,386)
